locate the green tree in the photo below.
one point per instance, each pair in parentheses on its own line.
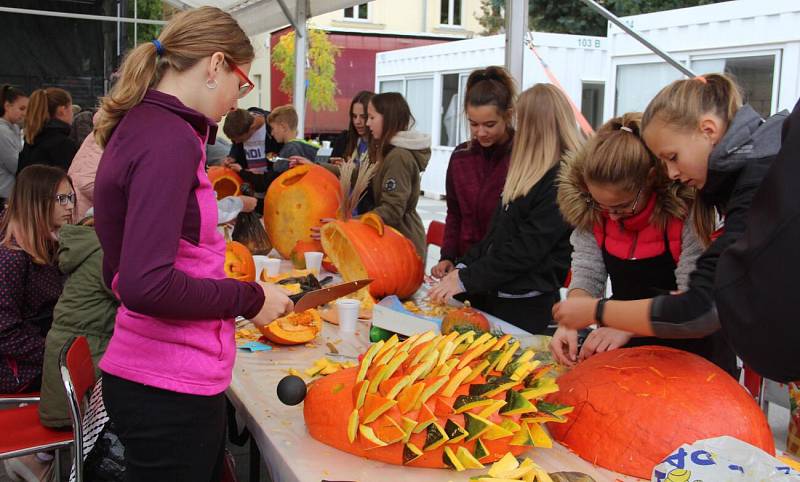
(149,10)
(320,71)
(573,16)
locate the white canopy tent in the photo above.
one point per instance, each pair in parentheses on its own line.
(258,16)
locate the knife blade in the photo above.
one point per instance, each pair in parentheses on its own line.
(312,299)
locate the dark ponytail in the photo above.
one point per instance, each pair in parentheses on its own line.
(491,86)
(9,93)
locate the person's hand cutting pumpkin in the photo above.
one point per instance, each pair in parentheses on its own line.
(449,285)
(276,304)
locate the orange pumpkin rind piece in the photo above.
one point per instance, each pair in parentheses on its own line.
(449,459)
(400,385)
(387,430)
(540,437)
(467,459)
(456,381)
(506,356)
(375,406)
(369,435)
(474,353)
(408,397)
(352,426)
(367,360)
(424,418)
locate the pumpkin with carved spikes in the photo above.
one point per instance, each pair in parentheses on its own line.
(225,181)
(239,262)
(634,406)
(456,401)
(295,202)
(366,248)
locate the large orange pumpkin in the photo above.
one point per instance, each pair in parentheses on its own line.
(226,181)
(295,202)
(239,262)
(425,400)
(634,406)
(294,328)
(365,248)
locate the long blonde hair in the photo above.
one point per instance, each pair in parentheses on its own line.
(41,108)
(680,105)
(27,223)
(190,36)
(546,130)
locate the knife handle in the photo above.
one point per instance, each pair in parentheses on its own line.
(295,298)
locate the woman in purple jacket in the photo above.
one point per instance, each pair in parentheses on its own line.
(477,170)
(172,352)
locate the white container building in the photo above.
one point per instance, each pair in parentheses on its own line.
(433,80)
(756,40)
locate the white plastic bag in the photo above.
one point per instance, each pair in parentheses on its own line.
(722,459)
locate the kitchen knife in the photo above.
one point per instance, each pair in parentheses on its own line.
(312,299)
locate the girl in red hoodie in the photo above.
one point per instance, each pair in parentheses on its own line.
(632,224)
(477,170)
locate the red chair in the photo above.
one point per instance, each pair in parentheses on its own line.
(23,433)
(77,374)
(434,236)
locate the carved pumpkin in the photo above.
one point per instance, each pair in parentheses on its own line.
(294,328)
(465,316)
(295,202)
(226,181)
(634,406)
(365,248)
(239,262)
(435,401)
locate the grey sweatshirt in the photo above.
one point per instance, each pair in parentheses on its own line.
(589,271)
(10,145)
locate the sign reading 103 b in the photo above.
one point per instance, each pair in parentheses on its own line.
(588,43)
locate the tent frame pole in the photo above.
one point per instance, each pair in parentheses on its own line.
(300,47)
(639,37)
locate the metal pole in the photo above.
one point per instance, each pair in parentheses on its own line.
(135,23)
(633,33)
(288,14)
(81,16)
(300,40)
(516,20)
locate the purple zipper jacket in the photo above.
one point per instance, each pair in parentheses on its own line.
(156,218)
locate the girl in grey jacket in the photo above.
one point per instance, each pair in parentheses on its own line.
(13,104)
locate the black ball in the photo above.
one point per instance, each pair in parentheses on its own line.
(291,390)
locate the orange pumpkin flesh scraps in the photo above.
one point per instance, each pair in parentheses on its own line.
(225,181)
(634,406)
(294,328)
(417,424)
(239,262)
(295,202)
(366,248)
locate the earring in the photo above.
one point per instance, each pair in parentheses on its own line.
(211,84)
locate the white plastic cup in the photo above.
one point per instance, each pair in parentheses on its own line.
(261,262)
(347,311)
(314,261)
(273,266)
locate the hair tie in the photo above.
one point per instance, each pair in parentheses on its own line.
(702,79)
(159,47)
(626,128)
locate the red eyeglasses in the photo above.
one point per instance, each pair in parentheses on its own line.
(246,85)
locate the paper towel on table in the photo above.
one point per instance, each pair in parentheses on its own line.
(722,459)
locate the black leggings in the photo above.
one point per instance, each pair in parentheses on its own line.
(168,436)
(530,314)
